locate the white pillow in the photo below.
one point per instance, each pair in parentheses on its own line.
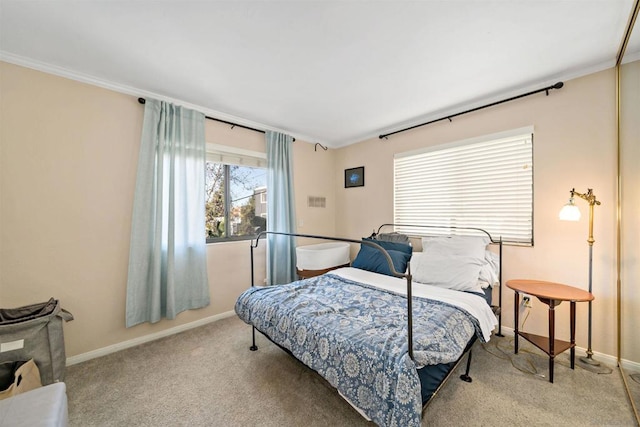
(452,262)
(489,272)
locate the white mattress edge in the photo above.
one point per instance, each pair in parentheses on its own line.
(474,304)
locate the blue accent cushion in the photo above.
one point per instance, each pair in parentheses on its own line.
(393,246)
(372,259)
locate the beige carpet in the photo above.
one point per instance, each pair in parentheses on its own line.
(208,377)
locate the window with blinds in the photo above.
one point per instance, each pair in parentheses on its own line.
(482,183)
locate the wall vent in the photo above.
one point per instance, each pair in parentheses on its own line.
(316,202)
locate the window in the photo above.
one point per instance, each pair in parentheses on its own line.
(235,194)
(484,183)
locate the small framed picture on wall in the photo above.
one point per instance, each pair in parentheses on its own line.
(354,177)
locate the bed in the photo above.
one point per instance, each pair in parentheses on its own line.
(385,341)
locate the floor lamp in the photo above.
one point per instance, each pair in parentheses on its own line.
(570,212)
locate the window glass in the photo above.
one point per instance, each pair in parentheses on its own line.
(236,203)
(214,201)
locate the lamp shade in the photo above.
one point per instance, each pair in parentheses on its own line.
(570,212)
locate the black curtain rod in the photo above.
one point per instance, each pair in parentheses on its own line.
(449,117)
(142,101)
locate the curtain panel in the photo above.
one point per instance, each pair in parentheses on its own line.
(167,258)
(281,250)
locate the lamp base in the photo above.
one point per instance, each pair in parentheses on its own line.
(589,360)
(596,369)
(589,364)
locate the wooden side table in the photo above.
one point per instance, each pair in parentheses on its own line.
(551,294)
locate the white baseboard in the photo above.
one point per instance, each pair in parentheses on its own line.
(601,357)
(631,367)
(608,359)
(146,338)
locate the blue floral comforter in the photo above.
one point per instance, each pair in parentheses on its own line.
(355,336)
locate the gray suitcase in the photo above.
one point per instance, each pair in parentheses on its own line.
(35,332)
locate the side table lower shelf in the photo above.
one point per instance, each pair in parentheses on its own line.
(551,294)
(543,343)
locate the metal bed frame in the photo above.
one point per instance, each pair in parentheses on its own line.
(468,350)
(496,309)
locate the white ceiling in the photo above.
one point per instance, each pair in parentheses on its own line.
(334,72)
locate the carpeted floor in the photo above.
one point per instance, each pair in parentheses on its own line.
(633,381)
(208,377)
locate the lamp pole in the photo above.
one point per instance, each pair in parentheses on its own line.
(591,199)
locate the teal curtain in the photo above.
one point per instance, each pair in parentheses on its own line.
(281,250)
(167,257)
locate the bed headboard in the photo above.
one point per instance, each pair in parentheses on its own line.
(417,231)
(407,276)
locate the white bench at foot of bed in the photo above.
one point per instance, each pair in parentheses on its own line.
(42,407)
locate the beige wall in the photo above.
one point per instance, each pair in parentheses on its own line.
(574,146)
(68,158)
(630,210)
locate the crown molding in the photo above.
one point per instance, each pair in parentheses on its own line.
(564,76)
(133,91)
(129,90)
(630,57)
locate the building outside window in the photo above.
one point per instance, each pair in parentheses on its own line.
(235,195)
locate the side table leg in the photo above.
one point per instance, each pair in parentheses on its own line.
(572,323)
(516,312)
(552,338)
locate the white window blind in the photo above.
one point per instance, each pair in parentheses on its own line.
(483,183)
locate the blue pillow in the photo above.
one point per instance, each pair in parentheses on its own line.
(393,246)
(372,259)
